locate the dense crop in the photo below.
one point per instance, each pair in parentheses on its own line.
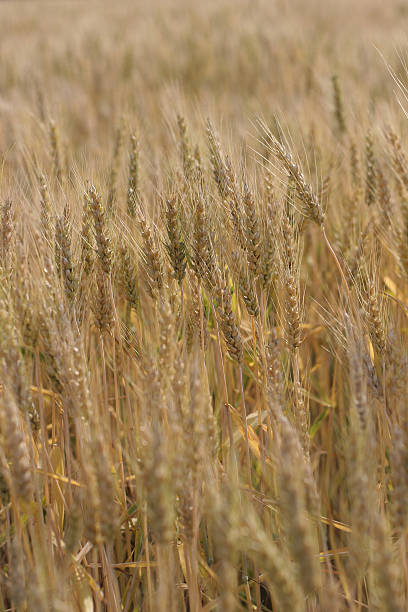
(203,306)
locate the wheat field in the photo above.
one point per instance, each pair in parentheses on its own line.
(203,306)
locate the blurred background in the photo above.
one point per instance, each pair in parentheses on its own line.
(231,59)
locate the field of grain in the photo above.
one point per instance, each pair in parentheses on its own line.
(204,306)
